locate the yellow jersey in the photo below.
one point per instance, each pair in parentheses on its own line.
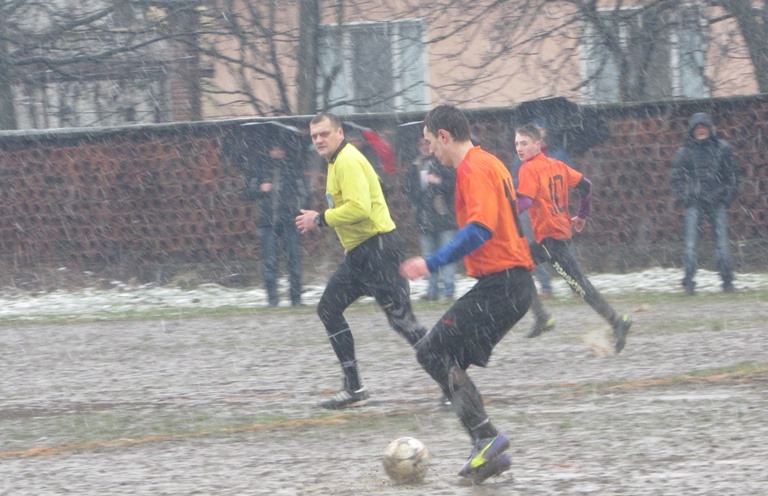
(356,205)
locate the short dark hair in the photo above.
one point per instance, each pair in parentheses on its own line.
(335,121)
(530,130)
(449,118)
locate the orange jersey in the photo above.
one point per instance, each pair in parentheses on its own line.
(546,181)
(485,195)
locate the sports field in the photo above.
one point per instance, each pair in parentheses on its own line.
(226,403)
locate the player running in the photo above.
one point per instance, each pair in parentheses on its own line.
(496,254)
(543,188)
(373,248)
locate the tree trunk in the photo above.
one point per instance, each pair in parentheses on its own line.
(7,110)
(755,35)
(306,78)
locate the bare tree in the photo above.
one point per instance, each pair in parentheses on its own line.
(309,22)
(752,20)
(93,62)
(111,61)
(630,51)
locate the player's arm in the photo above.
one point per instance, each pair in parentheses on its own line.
(526,189)
(467,239)
(523,202)
(584,189)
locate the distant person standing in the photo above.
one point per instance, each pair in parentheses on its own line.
(281,189)
(705,179)
(544,189)
(430,188)
(373,249)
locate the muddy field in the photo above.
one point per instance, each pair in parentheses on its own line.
(229,405)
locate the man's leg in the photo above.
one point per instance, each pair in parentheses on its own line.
(691,233)
(293,247)
(380,273)
(448,272)
(269,254)
(543,322)
(340,292)
(540,272)
(434,355)
(545,280)
(428,247)
(466,335)
(565,264)
(719,222)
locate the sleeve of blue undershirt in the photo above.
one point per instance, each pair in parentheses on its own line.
(468,239)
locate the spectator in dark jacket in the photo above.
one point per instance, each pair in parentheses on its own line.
(280,186)
(431,188)
(705,179)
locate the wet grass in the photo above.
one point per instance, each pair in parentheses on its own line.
(734,373)
(89,430)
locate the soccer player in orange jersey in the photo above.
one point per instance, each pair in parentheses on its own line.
(496,254)
(543,188)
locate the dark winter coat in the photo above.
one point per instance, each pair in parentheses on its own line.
(705,172)
(290,191)
(434,204)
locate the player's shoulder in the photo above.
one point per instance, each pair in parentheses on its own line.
(488,159)
(350,156)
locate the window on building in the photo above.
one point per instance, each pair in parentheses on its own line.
(373,67)
(656,55)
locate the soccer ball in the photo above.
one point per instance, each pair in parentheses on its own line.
(600,342)
(406,460)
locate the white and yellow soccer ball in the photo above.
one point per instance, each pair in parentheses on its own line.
(600,342)
(406,460)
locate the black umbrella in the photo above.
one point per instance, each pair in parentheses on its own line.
(265,134)
(570,126)
(407,140)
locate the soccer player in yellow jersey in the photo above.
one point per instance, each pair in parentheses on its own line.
(358,211)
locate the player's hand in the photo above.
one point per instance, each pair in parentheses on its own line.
(578,223)
(434,179)
(305,221)
(414,268)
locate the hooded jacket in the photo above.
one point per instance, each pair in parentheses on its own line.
(704,171)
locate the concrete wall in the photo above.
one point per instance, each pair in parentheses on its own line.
(162,203)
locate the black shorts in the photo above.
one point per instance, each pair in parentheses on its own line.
(370,269)
(470,329)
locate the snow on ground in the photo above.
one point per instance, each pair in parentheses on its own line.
(91,302)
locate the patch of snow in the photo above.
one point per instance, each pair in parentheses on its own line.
(148,298)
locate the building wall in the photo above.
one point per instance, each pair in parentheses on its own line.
(154,202)
(468,66)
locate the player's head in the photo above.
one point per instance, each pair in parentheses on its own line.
(327,133)
(542,126)
(444,127)
(449,119)
(527,141)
